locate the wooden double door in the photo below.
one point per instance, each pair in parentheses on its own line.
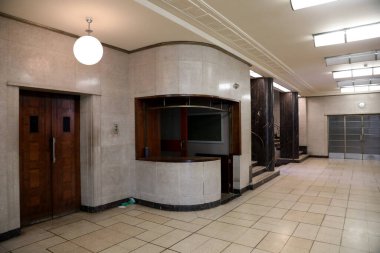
(49,156)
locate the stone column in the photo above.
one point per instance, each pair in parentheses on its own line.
(262,122)
(289,137)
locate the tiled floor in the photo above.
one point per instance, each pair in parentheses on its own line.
(319,205)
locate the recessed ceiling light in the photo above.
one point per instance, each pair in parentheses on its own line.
(362,72)
(300,4)
(374,87)
(347,89)
(363,32)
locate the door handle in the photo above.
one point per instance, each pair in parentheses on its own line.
(53,149)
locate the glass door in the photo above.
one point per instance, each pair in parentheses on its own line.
(354,137)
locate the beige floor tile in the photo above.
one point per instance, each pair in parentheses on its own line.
(134,213)
(251,237)
(223,231)
(273,242)
(100,239)
(158,228)
(356,214)
(374,243)
(276,225)
(171,238)
(31,249)
(299,206)
(236,248)
(148,236)
(190,243)
(252,209)
(276,212)
(28,236)
(333,222)
(321,247)
(131,244)
(190,227)
(339,202)
(352,239)
(120,218)
(259,251)
(50,242)
(212,246)
(373,228)
(297,245)
(152,217)
(285,204)
(169,251)
(76,229)
(68,247)
(306,231)
(336,211)
(313,218)
(149,248)
(243,216)
(316,208)
(263,201)
(236,221)
(329,235)
(350,250)
(201,221)
(126,229)
(356,226)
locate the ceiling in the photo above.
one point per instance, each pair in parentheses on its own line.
(276,40)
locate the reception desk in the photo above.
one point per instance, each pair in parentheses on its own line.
(179,183)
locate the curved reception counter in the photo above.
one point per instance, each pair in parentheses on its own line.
(179,183)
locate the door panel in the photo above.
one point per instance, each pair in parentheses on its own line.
(48,188)
(65,168)
(35,132)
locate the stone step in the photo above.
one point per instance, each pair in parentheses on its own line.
(261,179)
(257,170)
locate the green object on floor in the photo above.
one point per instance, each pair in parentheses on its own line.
(131,201)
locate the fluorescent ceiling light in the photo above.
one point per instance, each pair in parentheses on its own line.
(362,72)
(352,58)
(300,4)
(374,87)
(361,88)
(254,74)
(363,32)
(331,38)
(356,72)
(342,74)
(347,89)
(279,87)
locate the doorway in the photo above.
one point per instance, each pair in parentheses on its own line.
(49,156)
(354,136)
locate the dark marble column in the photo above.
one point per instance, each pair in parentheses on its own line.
(262,122)
(289,140)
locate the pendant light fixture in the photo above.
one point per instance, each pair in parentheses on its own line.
(87,49)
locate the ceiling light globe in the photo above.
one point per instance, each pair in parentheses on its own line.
(88,50)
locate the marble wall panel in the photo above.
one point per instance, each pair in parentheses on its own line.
(191,180)
(167,184)
(190,77)
(167,77)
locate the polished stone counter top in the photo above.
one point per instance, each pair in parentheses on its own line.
(186,159)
